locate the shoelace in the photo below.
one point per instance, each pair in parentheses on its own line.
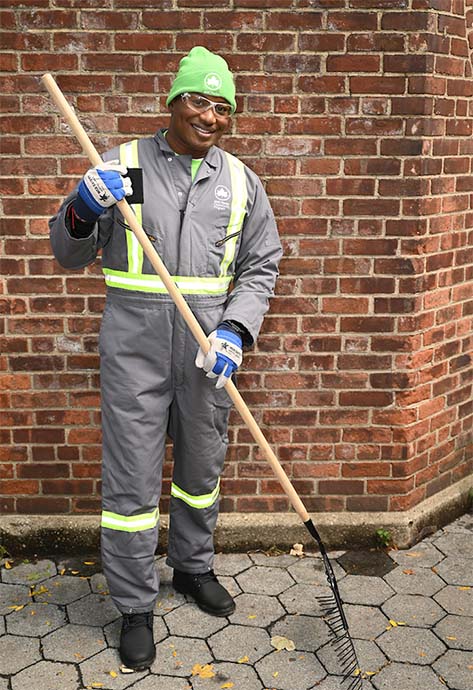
(206,577)
(136,620)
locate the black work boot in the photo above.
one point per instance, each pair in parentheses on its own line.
(206,590)
(137,650)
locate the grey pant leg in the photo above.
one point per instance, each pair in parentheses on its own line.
(198,427)
(135,366)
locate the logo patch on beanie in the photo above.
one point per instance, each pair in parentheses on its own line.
(212,81)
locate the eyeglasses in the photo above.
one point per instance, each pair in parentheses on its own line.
(200,104)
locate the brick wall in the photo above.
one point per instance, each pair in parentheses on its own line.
(357,114)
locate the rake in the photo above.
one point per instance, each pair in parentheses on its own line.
(331,604)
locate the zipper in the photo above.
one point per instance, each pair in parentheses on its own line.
(221,242)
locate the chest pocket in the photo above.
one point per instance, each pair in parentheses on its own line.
(224,240)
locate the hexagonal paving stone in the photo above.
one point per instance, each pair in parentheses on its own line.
(455,631)
(98,584)
(73,643)
(17,653)
(230,585)
(371,562)
(414,581)
(407,677)
(454,543)
(423,555)
(311,571)
(290,670)
(411,645)
(370,658)
(256,610)
(361,589)
(3,683)
(97,670)
(13,595)
(241,675)
(168,600)
(456,600)
(112,631)
(35,620)
(176,656)
(307,633)
(165,683)
(190,621)
(462,524)
(62,590)
(456,668)
(365,622)
(413,610)
(94,609)
(335,683)
(304,599)
(264,580)
(236,642)
(456,571)
(29,573)
(231,563)
(47,674)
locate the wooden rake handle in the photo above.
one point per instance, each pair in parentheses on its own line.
(94,157)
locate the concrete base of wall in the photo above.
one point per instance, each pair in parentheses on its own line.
(68,535)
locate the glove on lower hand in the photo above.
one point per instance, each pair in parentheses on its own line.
(223,358)
(104,185)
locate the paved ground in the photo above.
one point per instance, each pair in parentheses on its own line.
(410,614)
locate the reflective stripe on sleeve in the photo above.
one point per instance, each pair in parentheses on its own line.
(133,523)
(129,157)
(204,501)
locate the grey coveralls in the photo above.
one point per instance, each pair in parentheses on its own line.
(217,236)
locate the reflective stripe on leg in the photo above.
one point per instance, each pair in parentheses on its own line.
(133,523)
(203,501)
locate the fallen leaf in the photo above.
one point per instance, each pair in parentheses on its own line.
(17,608)
(408,571)
(78,656)
(297,550)
(8,565)
(89,562)
(203,671)
(96,685)
(41,590)
(279,642)
(451,637)
(464,589)
(252,616)
(75,572)
(61,572)
(414,554)
(114,674)
(243,660)
(227,685)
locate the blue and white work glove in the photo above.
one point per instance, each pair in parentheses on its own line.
(104,185)
(223,358)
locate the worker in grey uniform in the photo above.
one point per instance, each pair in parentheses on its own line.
(209,219)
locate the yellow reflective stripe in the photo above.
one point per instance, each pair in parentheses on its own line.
(129,157)
(133,523)
(204,501)
(188,285)
(238,210)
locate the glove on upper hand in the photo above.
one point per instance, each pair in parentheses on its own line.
(223,358)
(104,185)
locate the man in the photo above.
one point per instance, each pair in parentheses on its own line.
(209,218)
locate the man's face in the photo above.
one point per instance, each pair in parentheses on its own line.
(193,133)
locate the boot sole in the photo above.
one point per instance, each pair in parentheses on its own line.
(221,613)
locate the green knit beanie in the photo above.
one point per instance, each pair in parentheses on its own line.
(204,72)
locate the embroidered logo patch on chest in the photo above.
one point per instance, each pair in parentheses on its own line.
(222,197)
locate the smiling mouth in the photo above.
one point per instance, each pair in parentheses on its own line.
(202,131)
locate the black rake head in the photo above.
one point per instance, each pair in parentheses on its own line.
(332,608)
